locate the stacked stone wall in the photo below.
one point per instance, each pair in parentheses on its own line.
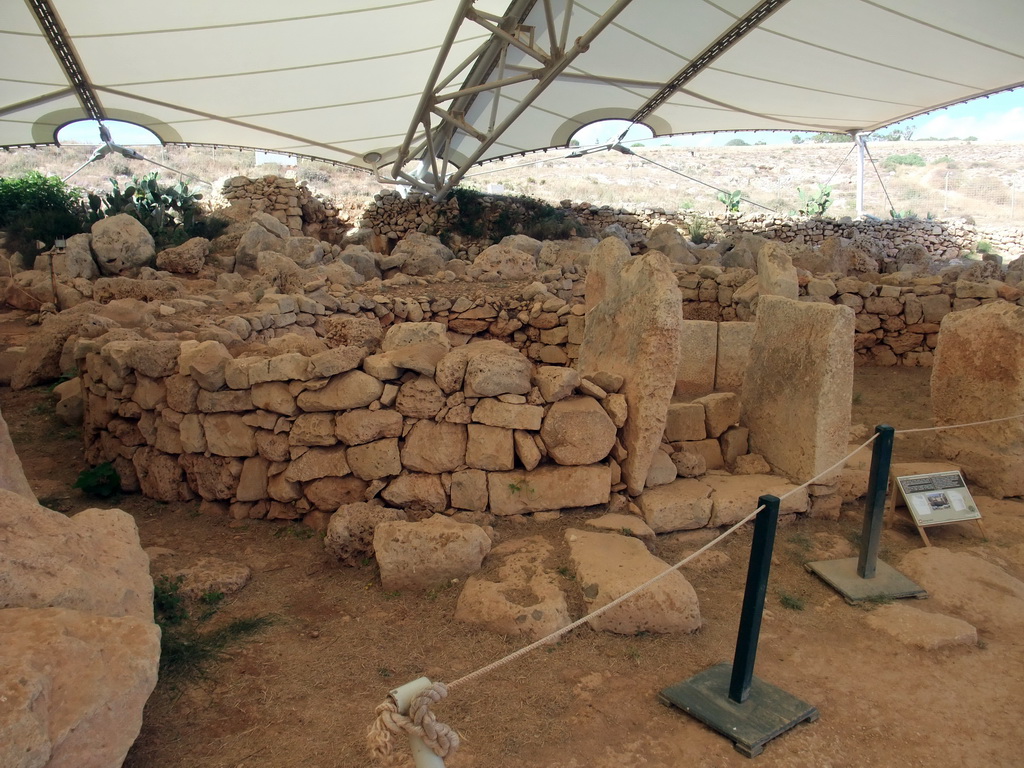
(390,215)
(294,205)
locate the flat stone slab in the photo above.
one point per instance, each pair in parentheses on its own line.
(548,487)
(678,506)
(920,629)
(627,525)
(608,566)
(521,597)
(735,496)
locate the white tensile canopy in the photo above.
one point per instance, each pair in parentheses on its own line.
(421,89)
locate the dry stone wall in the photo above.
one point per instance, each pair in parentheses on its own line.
(391,215)
(294,205)
(424,426)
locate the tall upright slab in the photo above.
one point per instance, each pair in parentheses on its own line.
(978,374)
(798,387)
(633,329)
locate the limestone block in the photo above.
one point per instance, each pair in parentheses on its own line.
(205,363)
(160,476)
(329,493)
(74,686)
(334,361)
(492,374)
(420,398)
(274,396)
(416,490)
(685,422)
(978,374)
(734,340)
(227,435)
(12,475)
(469,490)
(721,411)
(968,587)
(526,449)
(272,446)
(555,382)
(776,275)
(735,443)
(548,487)
(627,525)
(489,447)
(710,450)
(518,599)
(404,334)
(695,375)
(662,471)
(434,447)
(121,245)
(363,426)
(90,562)
(211,477)
(349,534)
(225,401)
(798,390)
(353,389)
(252,482)
(419,556)
(689,463)
(633,330)
(156,359)
(450,371)
(508,415)
(735,496)
(376,460)
(608,565)
(421,357)
(316,463)
(681,505)
(935,307)
(577,431)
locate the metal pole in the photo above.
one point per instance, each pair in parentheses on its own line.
(753,598)
(859,138)
(874,507)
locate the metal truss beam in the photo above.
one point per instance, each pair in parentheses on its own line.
(57,37)
(426,142)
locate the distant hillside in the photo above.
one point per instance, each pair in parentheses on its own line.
(941,179)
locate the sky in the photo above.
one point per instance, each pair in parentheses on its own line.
(999,117)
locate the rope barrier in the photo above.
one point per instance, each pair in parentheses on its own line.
(439,736)
(958,426)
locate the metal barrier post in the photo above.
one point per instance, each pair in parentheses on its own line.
(874,505)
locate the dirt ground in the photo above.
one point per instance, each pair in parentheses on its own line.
(303,692)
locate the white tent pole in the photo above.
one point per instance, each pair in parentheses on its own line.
(859,138)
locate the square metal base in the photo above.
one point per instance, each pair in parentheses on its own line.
(769,712)
(888,583)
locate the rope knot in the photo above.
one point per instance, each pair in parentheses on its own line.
(442,739)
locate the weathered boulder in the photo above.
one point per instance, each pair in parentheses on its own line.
(404,334)
(633,330)
(491,374)
(978,374)
(376,460)
(520,598)
(420,398)
(451,369)
(257,239)
(419,255)
(608,565)
(432,552)
(681,505)
(122,245)
(77,259)
(363,426)
(968,587)
(776,275)
(352,389)
(548,487)
(667,239)
(735,496)
(349,535)
(416,490)
(798,389)
(577,430)
(12,475)
(434,447)
(185,259)
(89,562)
(507,261)
(74,685)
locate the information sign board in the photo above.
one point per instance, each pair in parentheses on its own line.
(938,498)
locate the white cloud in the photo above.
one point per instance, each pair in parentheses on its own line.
(994,126)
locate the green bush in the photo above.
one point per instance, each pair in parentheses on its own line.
(169,213)
(101,481)
(37,207)
(911,158)
(513,215)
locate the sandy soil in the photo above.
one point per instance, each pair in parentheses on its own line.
(303,692)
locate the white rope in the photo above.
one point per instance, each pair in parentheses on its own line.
(958,426)
(388,722)
(442,739)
